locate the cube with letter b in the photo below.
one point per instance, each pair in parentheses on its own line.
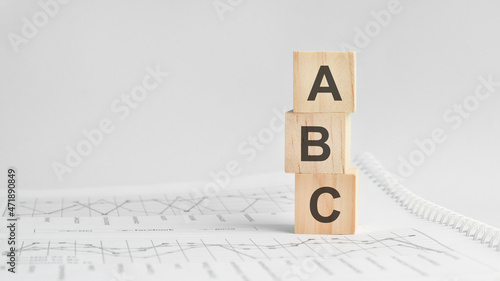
(317,142)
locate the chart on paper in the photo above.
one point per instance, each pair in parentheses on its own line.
(239,234)
(204,249)
(407,252)
(262,200)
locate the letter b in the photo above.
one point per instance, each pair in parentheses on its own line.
(317,143)
(306,142)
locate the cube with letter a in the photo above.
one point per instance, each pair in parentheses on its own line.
(324,82)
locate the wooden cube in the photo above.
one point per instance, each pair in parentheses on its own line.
(317,143)
(324,82)
(326,203)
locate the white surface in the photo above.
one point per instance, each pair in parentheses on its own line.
(227,76)
(201,242)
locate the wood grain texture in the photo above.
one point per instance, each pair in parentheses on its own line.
(305,69)
(338,126)
(346,204)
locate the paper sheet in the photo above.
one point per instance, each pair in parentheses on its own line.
(242,233)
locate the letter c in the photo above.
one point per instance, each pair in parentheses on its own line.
(314,204)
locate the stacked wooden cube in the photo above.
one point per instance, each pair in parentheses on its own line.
(317,142)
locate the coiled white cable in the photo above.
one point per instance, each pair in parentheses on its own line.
(479,231)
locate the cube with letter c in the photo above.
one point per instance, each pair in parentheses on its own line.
(326,203)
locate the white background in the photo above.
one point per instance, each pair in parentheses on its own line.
(229,71)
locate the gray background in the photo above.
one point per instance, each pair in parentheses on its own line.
(229,72)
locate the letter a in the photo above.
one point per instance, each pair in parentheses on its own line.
(324,71)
